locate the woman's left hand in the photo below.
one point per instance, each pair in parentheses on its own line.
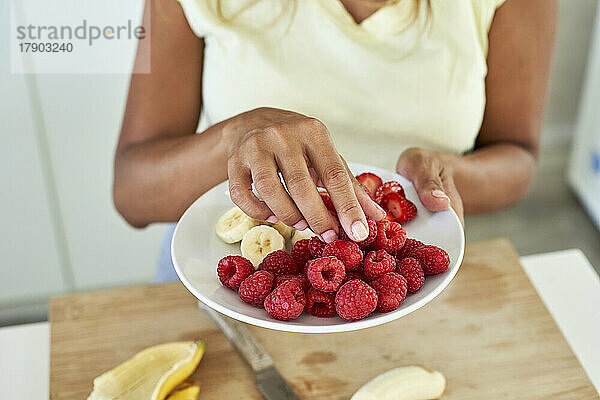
(433,179)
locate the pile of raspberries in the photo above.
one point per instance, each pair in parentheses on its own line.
(345,278)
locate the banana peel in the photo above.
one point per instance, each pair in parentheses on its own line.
(151,374)
(185,391)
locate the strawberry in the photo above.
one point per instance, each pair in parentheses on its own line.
(387,188)
(370,181)
(367,192)
(403,209)
(389,217)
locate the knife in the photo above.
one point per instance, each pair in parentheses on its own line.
(270,383)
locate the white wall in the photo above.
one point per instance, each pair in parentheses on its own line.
(29,247)
(575,25)
(60,230)
(584,171)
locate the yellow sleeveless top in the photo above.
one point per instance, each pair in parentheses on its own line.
(408,75)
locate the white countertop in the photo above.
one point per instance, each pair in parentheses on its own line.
(25,362)
(570,288)
(565,281)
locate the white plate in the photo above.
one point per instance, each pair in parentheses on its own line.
(196,250)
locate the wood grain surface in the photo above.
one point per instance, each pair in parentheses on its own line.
(488,333)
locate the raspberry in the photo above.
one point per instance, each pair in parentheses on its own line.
(378,263)
(372,225)
(232,270)
(342,235)
(407,249)
(304,268)
(355,300)
(347,252)
(256,287)
(411,270)
(369,248)
(320,304)
(390,236)
(279,263)
(391,291)
(433,260)
(387,188)
(326,273)
(286,301)
(301,278)
(301,253)
(403,209)
(352,275)
(316,246)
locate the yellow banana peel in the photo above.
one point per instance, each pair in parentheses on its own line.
(185,392)
(151,374)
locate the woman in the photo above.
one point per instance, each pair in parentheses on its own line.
(451,92)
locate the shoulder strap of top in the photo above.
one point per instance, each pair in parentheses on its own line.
(484,11)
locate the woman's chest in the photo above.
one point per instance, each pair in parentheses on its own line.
(431,89)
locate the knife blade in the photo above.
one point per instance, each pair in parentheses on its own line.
(268,380)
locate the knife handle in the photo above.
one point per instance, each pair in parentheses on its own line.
(241,338)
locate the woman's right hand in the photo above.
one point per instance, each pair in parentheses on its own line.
(265,141)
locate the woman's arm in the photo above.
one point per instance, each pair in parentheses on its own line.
(160,163)
(499,171)
(162,166)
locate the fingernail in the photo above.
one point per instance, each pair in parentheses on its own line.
(273,219)
(439,194)
(300,225)
(329,236)
(359,231)
(379,208)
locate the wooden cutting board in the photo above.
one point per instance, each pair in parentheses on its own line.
(488,333)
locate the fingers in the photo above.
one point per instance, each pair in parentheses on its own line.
(433,183)
(269,187)
(240,191)
(302,189)
(308,158)
(315,177)
(369,206)
(336,179)
(455,199)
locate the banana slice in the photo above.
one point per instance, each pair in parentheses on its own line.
(404,383)
(260,241)
(299,235)
(283,229)
(233,225)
